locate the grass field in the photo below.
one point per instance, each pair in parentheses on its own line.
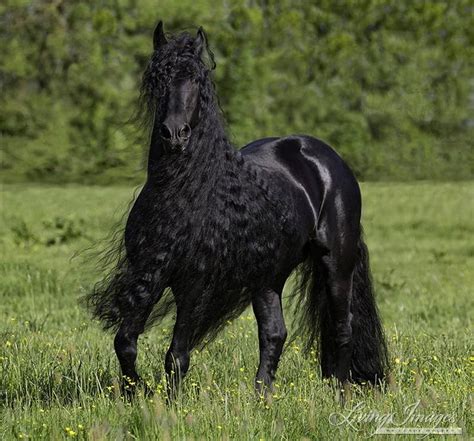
(58,373)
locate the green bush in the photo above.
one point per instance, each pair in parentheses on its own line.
(385,82)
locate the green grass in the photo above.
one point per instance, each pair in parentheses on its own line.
(58,373)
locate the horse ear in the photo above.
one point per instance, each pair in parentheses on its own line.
(202,49)
(159,38)
(201,41)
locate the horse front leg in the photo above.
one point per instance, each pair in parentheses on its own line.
(271,336)
(126,339)
(178,355)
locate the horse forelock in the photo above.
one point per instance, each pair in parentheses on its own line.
(178,59)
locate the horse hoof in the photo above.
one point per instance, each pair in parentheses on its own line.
(264,391)
(344,393)
(129,388)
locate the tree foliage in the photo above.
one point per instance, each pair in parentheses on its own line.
(387,83)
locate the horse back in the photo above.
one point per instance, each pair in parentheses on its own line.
(325,191)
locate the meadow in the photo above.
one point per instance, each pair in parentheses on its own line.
(58,372)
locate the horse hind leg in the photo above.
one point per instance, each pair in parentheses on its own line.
(352,336)
(271,335)
(336,361)
(335,325)
(326,313)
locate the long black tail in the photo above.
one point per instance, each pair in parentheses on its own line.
(369,357)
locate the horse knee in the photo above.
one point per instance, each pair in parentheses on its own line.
(125,346)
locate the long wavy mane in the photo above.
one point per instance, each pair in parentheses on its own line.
(206,223)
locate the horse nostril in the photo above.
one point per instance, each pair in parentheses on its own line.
(185,132)
(165,132)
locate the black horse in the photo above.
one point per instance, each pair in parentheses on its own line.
(225,228)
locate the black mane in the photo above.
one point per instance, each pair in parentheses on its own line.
(206,218)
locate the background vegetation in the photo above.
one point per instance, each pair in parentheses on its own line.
(58,372)
(388,83)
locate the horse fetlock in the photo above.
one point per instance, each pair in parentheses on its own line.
(177,363)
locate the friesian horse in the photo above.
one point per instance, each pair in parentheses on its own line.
(215,229)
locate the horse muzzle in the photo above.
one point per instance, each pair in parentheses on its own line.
(175,136)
